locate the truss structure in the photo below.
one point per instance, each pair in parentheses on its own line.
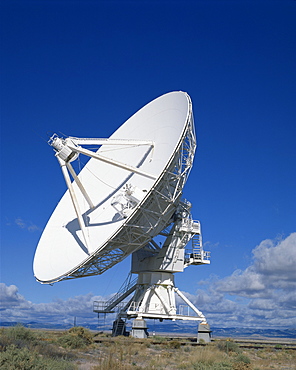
(155,295)
(148,218)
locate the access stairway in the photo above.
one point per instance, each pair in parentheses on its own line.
(128,287)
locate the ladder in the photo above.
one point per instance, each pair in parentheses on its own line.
(196,255)
(119,327)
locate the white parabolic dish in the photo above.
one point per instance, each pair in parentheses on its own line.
(167,122)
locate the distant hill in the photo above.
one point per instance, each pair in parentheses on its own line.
(177,328)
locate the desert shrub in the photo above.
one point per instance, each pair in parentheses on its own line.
(53,351)
(71,341)
(187,349)
(158,338)
(19,335)
(174,344)
(77,337)
(241,362)
(15,358)
(206,358)
(242,358)
(54,364)
(215,366)
(24,359)
(83,333)
(228,346)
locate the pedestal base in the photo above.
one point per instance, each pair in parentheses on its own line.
(139,329)
(204,332)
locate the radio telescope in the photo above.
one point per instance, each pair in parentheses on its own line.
(127,197)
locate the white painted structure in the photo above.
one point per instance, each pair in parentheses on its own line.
(128,193)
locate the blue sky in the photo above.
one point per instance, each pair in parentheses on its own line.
(83,67)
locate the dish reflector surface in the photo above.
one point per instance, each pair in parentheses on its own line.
(130,209)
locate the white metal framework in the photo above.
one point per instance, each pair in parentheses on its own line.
(127,195)
(155,294)
(149,216)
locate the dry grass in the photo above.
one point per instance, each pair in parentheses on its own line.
(273,359)
(127,354)
(123,353)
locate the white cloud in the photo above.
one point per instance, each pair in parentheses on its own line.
(33,227)
(28,225)
(276,261)
(261,295)
(273,268)
(20,223)
(14,307)
(9,297)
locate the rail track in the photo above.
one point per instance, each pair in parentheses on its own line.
(277,344)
